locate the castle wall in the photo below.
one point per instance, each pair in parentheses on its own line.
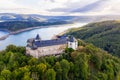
(47,50)
(73,45)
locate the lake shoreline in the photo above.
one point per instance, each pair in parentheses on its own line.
(31,28)
(23,30)
(46,32)
(15,32)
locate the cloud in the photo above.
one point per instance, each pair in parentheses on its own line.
(41,4)
(7,4)
(78,6)
(106,7)
(61,7)
(90,7)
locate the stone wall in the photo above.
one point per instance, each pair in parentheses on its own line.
(45,51)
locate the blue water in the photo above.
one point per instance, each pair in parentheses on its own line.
(45,33)
(2,33)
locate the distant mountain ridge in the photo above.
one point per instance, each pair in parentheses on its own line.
(12,21)
(32,17)
(43,18)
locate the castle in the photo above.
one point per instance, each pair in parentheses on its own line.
(37,47)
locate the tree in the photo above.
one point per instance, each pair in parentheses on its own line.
(107,67)
(6,74)
(69,50)
(81,67)
(41,68)
(1,65)
(8,57)
(50,60)
(11,48)
(118,76)
(18,74)
(102,76)
(27,76)
(96,59)
(50,74)
(58,70)
(32,61)
(65,69)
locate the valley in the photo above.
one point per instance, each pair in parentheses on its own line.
(59,39)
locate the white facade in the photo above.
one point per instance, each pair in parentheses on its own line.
(73,44)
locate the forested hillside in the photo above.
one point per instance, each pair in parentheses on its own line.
(18,25)
(86,63)
(105,35)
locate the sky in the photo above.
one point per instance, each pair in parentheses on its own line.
(61,7)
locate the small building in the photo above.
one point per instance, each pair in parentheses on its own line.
(72,43)
(37,47)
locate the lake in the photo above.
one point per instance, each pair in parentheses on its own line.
(2,33)
(45,33)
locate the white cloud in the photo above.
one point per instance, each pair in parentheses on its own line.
(44,6)
(9,4)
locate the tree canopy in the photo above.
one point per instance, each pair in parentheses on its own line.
(86,63)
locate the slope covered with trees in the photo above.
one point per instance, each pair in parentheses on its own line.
(105,35)
(86,63)
(18,25)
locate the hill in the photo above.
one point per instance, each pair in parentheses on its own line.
(18,25)
(105,35)
(32,17)
(12,21)
(86,63)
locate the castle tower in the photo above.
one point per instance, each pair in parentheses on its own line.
(37,38)
(72,43)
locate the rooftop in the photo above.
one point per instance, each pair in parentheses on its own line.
(50,42)
(38,37)
(72,39)
(37,42)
